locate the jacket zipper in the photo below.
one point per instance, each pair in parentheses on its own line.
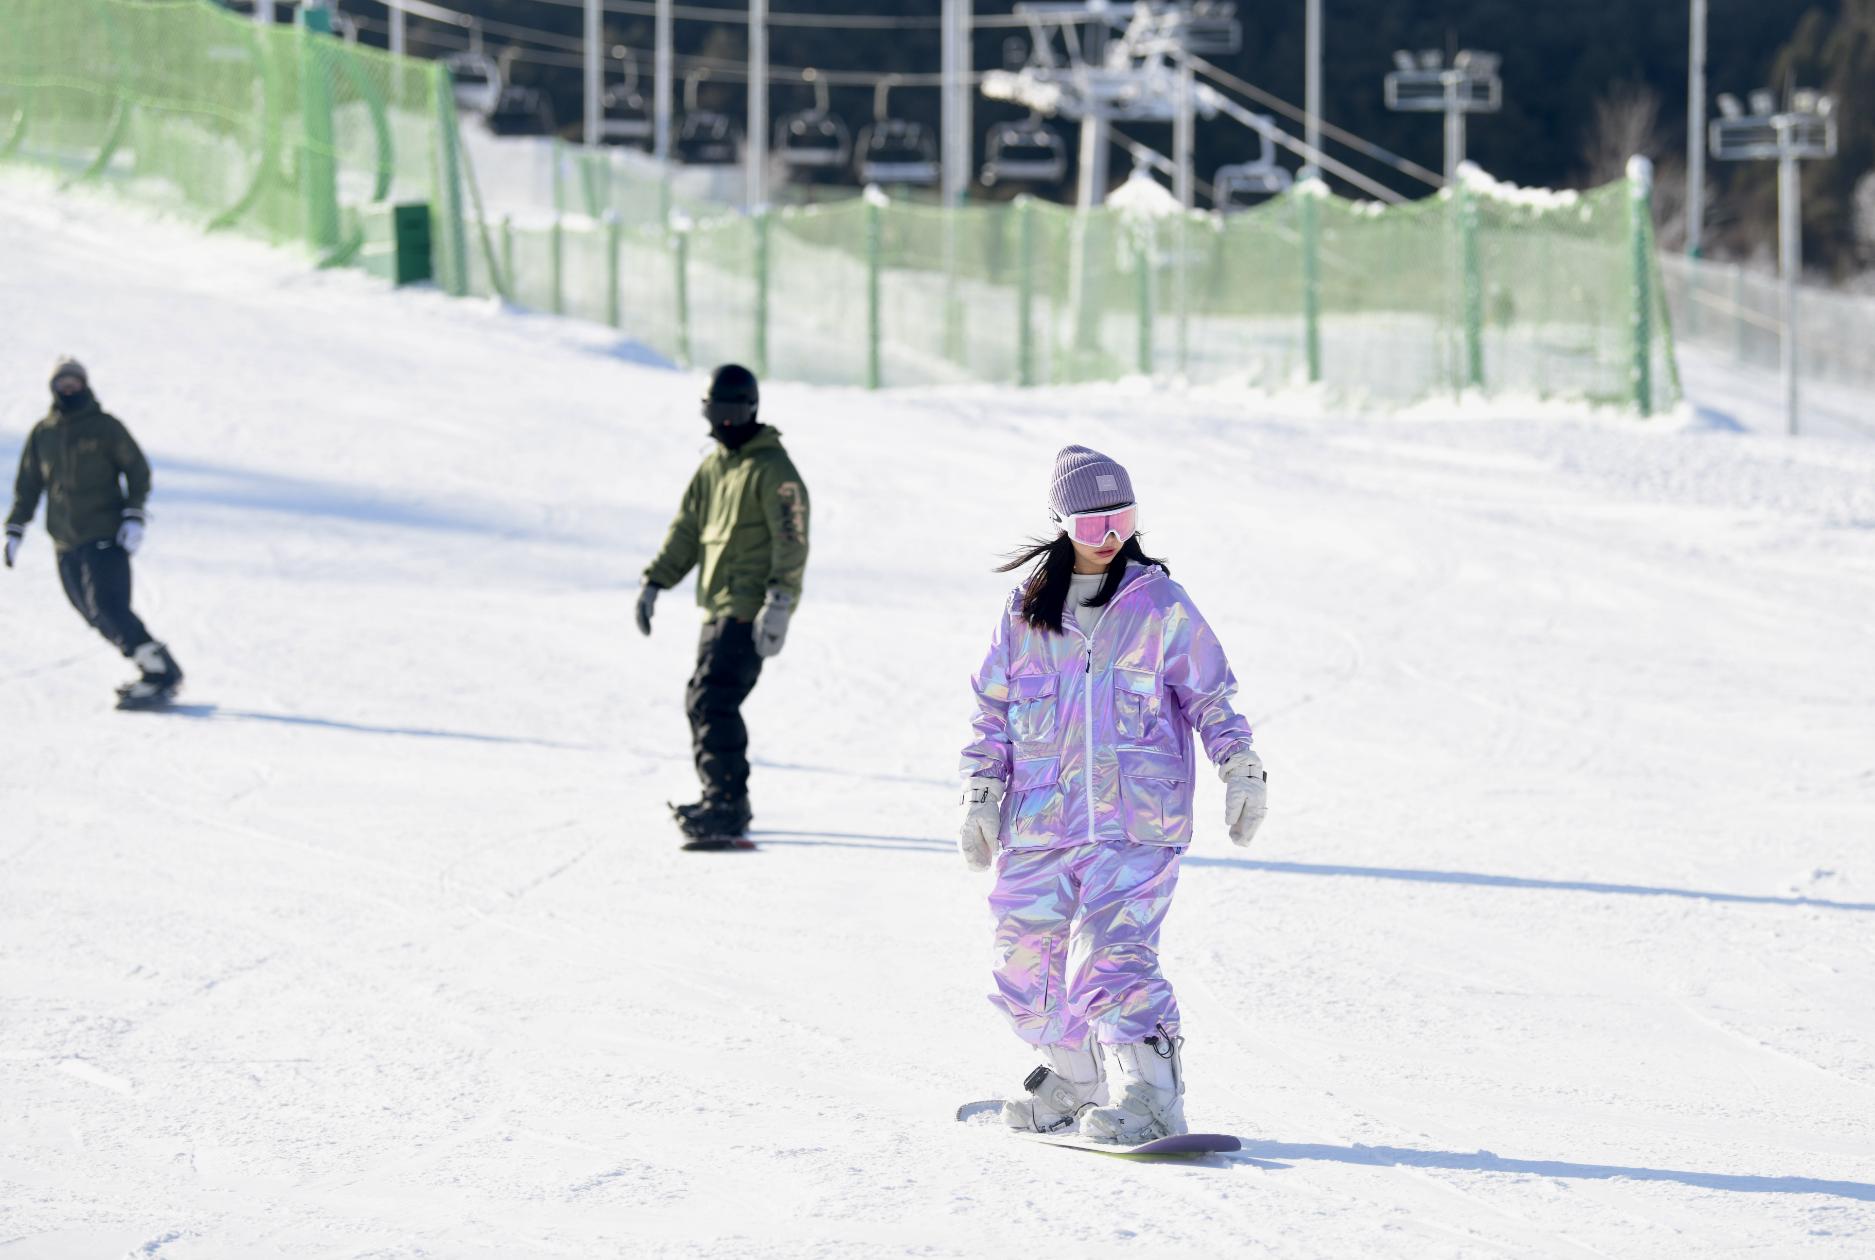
(1087,709)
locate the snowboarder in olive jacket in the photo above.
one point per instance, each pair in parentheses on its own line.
(743,526)
(95,480)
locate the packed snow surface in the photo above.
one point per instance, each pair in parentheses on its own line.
(1559,940)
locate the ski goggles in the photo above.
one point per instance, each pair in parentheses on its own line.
(723,414)
(1090,529)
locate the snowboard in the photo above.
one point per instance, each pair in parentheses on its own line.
(1183,1144)
(145,704)
(709,844)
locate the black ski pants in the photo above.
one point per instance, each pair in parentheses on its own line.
(96,578)
(727,668)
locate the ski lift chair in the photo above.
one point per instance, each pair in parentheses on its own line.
(1029,151)
(521,111)
(814,139)
(1244,184)
(624,117)
(476,81)
(896,150)
(706,137)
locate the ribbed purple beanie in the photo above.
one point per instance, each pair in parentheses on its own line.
(1085,480)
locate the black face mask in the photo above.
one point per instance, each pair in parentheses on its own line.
(72,402)
(734,436)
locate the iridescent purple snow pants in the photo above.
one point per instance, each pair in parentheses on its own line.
(1077,941)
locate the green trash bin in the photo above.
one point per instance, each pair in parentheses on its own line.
(397,243)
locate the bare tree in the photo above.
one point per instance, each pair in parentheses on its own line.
(1626,123)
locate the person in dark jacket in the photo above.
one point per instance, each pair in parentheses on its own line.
(743,526)
(95,480)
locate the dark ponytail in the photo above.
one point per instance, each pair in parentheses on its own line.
(1045,590)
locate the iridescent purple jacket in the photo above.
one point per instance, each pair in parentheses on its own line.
(1151,674)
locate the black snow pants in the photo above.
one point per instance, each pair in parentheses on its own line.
(96,577)
(727,668)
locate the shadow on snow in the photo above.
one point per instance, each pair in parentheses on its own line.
(216,713)
(1475,879)
(1255,1151)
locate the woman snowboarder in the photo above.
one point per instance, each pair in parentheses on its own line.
(1079,782)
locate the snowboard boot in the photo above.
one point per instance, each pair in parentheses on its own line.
(1059,1091)
(714,824)
(159,683)
(1149,1093)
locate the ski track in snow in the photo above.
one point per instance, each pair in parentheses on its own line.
(1557,942)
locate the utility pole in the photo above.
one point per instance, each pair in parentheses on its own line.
(1312,86)
(400,31)
(263,12)
(594,59)
(661,82)
(757,155)
(1091,187)
(1696,133)
(958,71)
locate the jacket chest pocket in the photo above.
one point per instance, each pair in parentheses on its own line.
(1135,703)
(1032,717)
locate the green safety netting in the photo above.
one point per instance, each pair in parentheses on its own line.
(294,134)
(287,132)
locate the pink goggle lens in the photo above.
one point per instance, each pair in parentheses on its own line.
(1092,528)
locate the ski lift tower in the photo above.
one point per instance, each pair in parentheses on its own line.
(1096,63)
(1423,83)
(1804,128)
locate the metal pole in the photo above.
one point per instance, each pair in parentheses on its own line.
(1790,262)
(1092,189)
(1182,128)
(1696,133)
(757,156)
(1312,86)
(956,112)
(263,12)
(1454,128)
(400,23)
(594,54)
(661,73)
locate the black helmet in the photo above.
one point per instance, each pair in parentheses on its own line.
(732,397)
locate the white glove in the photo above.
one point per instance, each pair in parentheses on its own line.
(647,599)
(771,624)
(983,821)
(130,535)
(1246,796)
(14,534)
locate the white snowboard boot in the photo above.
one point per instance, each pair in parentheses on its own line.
(1059,1091)
(1149,1093)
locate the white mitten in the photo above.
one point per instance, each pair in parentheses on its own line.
(1246,796)
(983,819)
(771,623)
(14,534)
(130,535)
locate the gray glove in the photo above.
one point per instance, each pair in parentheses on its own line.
(14,534)
(771,624)
(647,596)
(1246,796)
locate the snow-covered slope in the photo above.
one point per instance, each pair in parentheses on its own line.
(1557,942)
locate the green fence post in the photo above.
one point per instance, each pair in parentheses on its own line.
(319,168)
(557,240)
(1640,232)
(507,256)
(1308,197)
(873,233)
(455,234)
(1473,294)
(1025,290)
(761,290)
(682,258)
(1142,274)
(613,307)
